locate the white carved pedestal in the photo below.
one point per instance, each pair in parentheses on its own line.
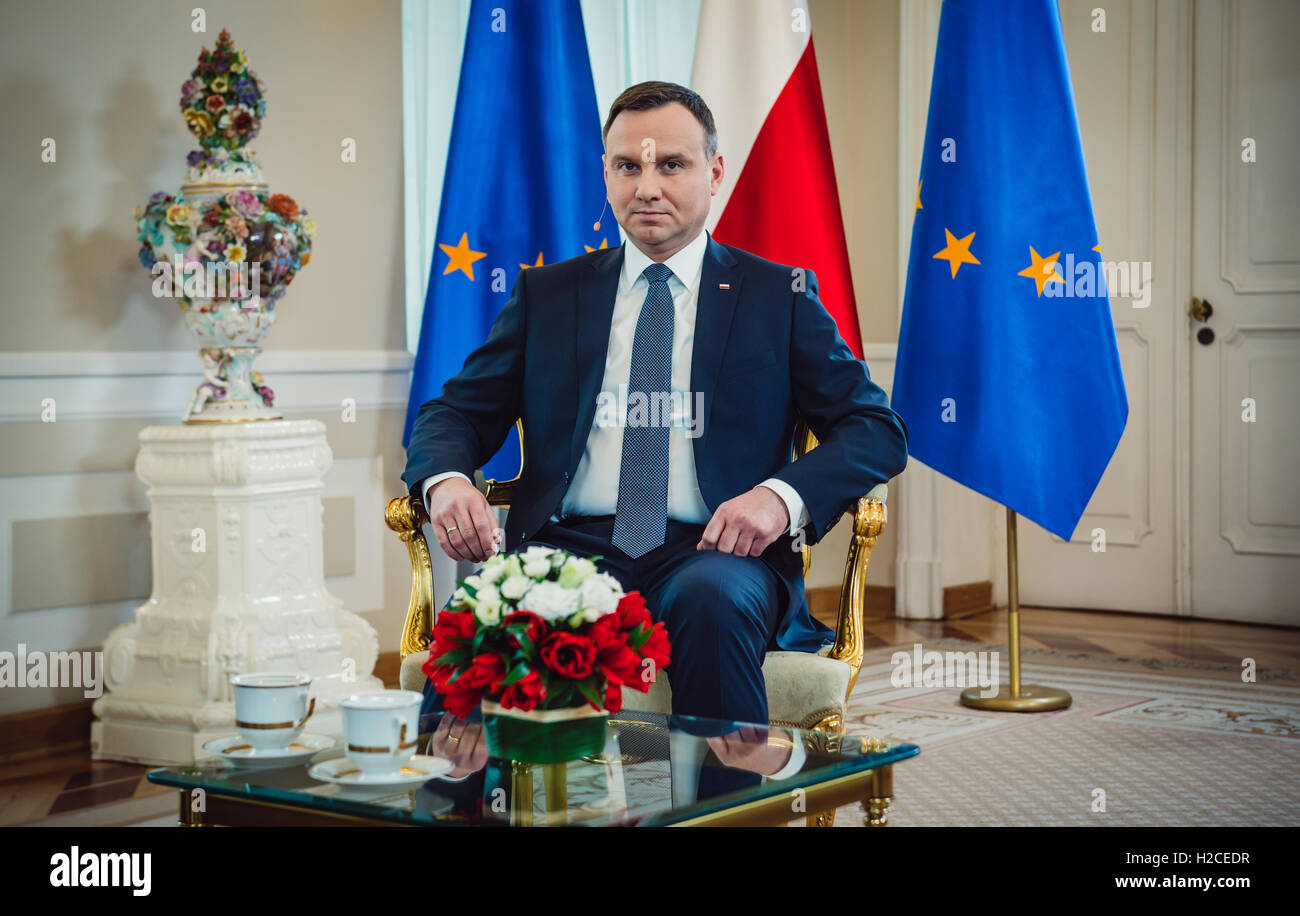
(238,586)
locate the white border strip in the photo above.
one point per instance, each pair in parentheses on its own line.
(153,384)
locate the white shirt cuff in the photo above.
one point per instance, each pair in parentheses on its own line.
(797,757)
(793,502)
(439,478)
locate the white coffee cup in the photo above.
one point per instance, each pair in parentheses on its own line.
(381,729)
(271,709)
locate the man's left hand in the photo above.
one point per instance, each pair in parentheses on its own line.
(747,524)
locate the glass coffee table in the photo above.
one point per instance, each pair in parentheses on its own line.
(655,770)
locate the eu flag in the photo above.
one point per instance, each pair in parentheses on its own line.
(522,186)
(1008,374)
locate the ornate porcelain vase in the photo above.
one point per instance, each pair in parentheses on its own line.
(225,248)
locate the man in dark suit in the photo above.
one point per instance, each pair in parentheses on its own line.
(659,384)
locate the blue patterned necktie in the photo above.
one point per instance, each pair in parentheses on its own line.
(641,519)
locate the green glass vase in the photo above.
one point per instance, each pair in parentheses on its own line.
(543,735)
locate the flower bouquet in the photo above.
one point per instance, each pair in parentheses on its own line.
(222,101)
(546,643)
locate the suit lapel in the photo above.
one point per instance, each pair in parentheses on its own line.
(597,288)
(714,310)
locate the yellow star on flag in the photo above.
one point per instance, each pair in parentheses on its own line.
(538,264)
(1042,270)
(957,251)
(604,243)
(918,195)
(462,258)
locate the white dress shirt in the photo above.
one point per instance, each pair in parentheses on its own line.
(594,489)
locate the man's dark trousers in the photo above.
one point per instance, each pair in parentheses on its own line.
(719,633)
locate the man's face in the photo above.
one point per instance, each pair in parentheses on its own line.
(658,179)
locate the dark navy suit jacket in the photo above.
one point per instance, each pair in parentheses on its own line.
(766,352)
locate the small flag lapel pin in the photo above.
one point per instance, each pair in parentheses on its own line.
(724,286)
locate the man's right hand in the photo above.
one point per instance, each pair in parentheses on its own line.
(462,520)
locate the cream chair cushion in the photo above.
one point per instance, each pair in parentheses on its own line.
(802,687)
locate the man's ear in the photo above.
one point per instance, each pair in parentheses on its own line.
(717,169)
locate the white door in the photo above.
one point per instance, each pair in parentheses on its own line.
(1124,553)
(1245,357)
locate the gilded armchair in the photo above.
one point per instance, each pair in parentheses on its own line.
(805,690)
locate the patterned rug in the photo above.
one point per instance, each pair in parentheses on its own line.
(1139,746)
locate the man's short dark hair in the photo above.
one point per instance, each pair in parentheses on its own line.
(656,94)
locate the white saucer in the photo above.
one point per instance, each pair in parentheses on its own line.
(415,772)
(232,748)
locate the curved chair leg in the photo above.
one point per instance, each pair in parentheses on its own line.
(831,725)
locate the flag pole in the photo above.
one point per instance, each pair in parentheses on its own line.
(1015,697)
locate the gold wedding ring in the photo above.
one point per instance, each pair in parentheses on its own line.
(452,528)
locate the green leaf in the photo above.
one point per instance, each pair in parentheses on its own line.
(457,656)
(562,697)
(637,638)
(518,673)
(519,632)
(589,692)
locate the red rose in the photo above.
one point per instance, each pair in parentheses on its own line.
(212,217)
(614,658)
(632,612)
(536,626)
(568,654)
(524,693)
(657,648)
(214,103)
(613,695)
(452,630)
(474,683)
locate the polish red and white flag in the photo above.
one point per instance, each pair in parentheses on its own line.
(755,67)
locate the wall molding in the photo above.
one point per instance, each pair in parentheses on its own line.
(157,384)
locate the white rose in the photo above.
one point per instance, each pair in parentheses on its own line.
(537,569)
(615,586)
(488,611)
(488,616)
(490,574)
(495,560)
(576,570)
(459,596)
(515,587)
(473,581)
(596,596)
(536,552)
(551,600)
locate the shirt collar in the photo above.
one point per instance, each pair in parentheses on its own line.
(685,264)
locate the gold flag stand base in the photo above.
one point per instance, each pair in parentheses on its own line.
(1015,697)
(1032,698)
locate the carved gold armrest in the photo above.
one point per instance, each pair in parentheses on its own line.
(406,516)
(868,524)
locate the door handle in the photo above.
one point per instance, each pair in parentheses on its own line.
(1201,309)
